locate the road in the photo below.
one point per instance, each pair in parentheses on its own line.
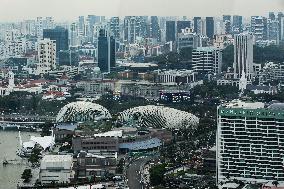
(133,173)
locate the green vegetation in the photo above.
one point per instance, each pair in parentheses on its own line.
(18,102)
(46,129)
(260,55)
(35,156)
(157,174)
(27,175)
(120,166)
(185,54)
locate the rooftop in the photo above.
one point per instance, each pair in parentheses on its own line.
(57,158)
(110,134)
(246,105)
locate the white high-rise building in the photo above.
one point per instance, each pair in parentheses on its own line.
(46,56)
(250,142)
(243,55)
(259,27)
(73,35)
(207,60)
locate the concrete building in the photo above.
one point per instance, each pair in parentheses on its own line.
(46,56)
(272,72)
(59,35)
(88,165)
(250,142)
(243,55)
(56,168)
(173,76)
(210,31)
(207,60)
(197,25)
(273,31)
(223,40)
(170,31)
(115,27)
(237,24)
(188,39)
(259,27)
(106,51)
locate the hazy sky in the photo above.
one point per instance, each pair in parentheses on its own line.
(12,10)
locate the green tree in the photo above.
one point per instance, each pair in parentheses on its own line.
(27,175)
(157,174)
(186,53)
(35,155)
(46,129)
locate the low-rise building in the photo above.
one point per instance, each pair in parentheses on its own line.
(88,165)
(56,169)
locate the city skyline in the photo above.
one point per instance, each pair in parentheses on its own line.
(15,10)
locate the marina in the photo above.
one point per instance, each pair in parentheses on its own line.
(12,166)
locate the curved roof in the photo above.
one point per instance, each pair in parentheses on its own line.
(276,106)
(82,111)
(159,117)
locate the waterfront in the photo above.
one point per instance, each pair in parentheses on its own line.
(9,144)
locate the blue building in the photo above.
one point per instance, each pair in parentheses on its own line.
(60,35)
(170,31)
(210,27)
(106,51)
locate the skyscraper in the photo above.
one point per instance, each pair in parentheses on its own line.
(81,25)
(46,56)
(243,55)
(170,31)
(134,26)
(250,142)
(259,27)
(207,60)
(182,25)
(273,30)
(155,31)
(58,34)
(197,25)
(210,27)
(114,27)
(272,16)
(226,18)
(73,34)
(106,51)
(280,18)
(237,24)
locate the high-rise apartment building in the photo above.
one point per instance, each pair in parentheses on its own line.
(273,30)
(81,25)
(259,27)
(114,27)
(243,55)
(73,35)
(106,51)
(46,56)
(250,142)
